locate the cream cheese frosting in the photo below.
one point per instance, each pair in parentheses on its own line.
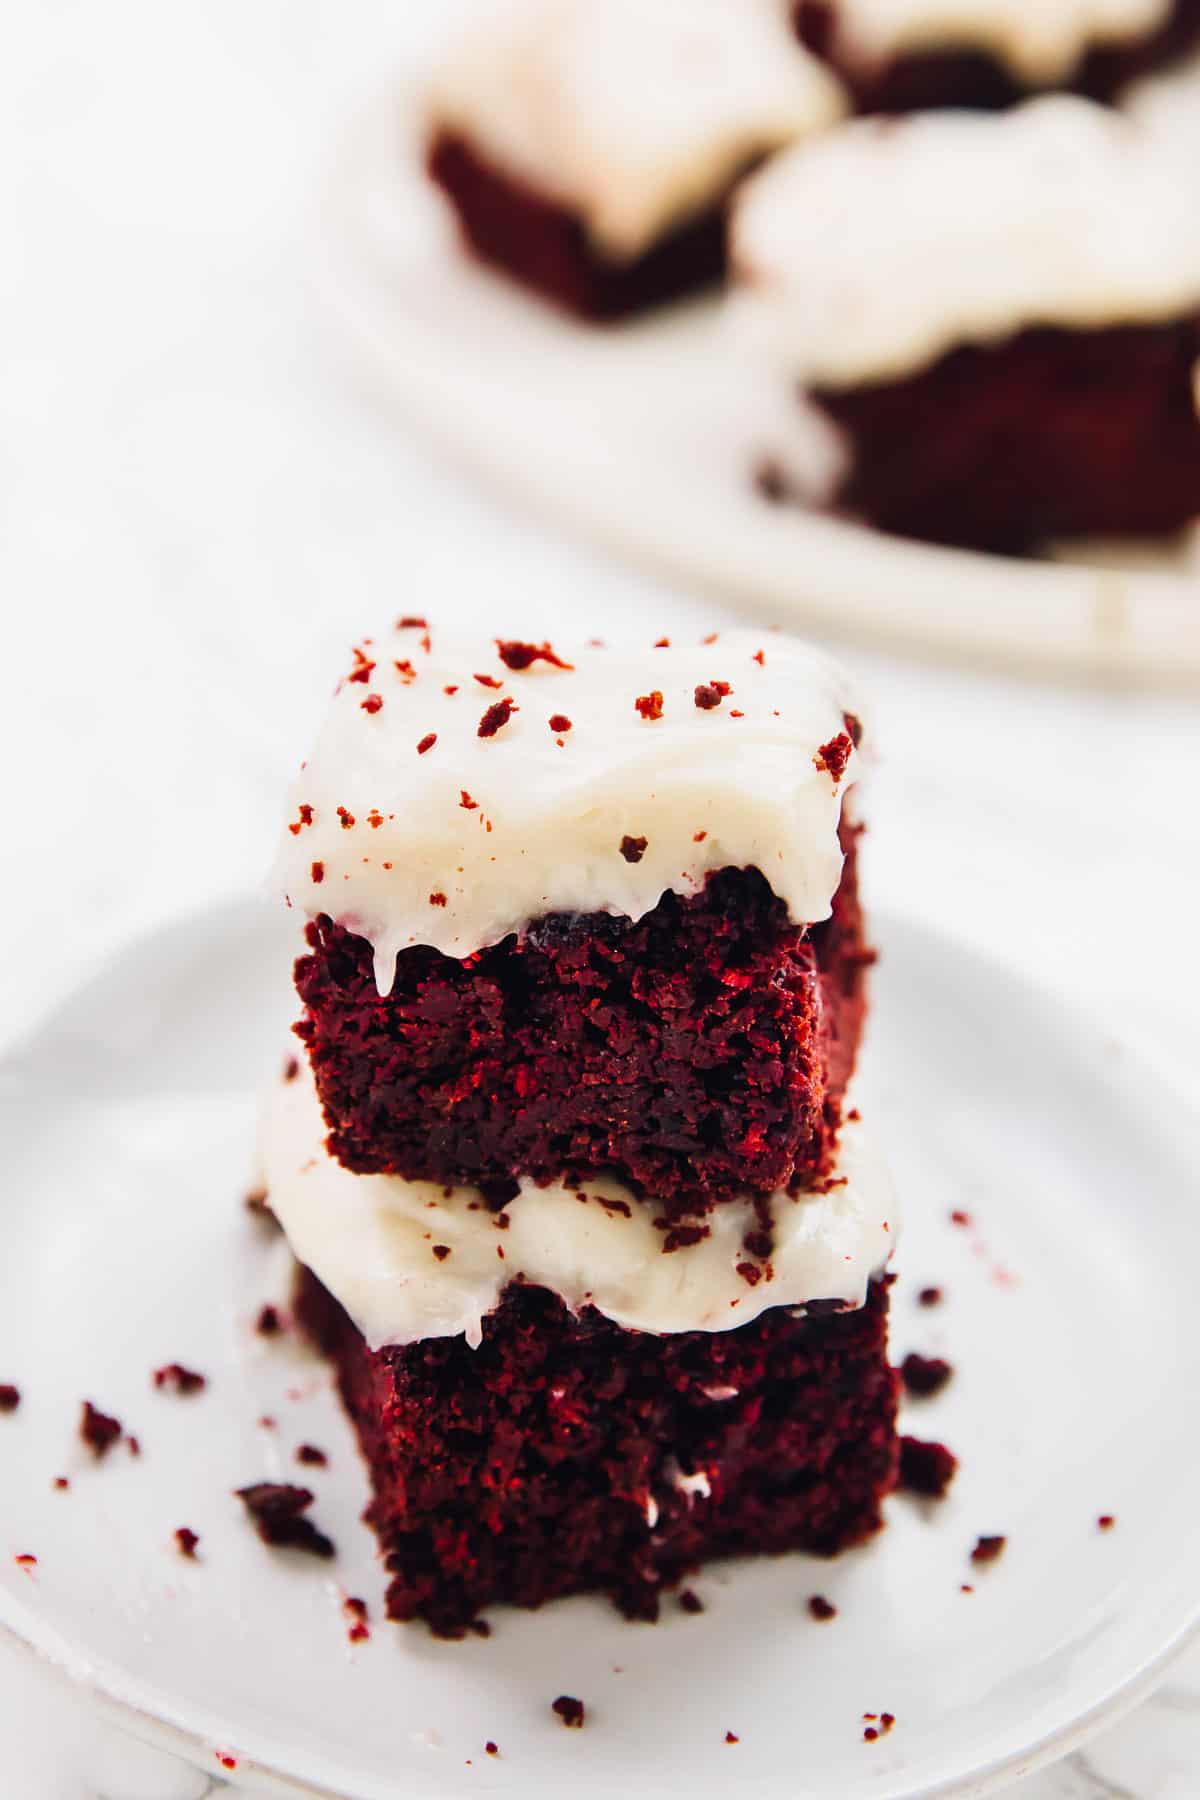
(602,785)
(410,1260)
(1039,41)
(878,248)
(636,114)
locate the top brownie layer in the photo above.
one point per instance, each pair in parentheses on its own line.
(635,118)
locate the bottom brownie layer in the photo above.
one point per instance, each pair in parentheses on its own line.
(1050,434)
(543,244)
(566,1455)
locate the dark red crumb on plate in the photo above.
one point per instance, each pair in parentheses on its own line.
(308,1453)
(633,848)
(821,1608)
(690,1601)
(98,1430)
(926,1467)
(181,1380)
(268,1321)
(731,1737)
(491,1748)
(26,1560)
(930,1296)
(958,1217)
(924,1375)
(569,1710)
(1106,1521)
(495,718)
(276,1508)
(515,655)
(61,1483)
(10,1397)
(988,1549)
(227,1762)
(187,1541)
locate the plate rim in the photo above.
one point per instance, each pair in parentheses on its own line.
(113,1694)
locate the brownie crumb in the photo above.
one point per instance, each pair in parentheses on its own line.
(10,1397)
(495,718)
(988,1549)
(276,1508)
(1106,1521)
(268,1322)
(569,1710)
(310,1454)
(187,1540)
(821,1608)
(690,1601)
(924,1376)
(731,1737)
(833,756)
(516,655)
(650,705)
(926,1467)
(633,848)
(179,1379)
(98,1430)
(930,1296)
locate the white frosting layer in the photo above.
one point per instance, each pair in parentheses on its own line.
(637,114)
(876,249)
(1040,41)
(402,859)
(370,1239)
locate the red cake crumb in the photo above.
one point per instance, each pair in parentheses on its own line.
(276,1508)
(317,872)
(489,681)
(441,1251)
(305,818)
(98,1430)
(291,1069)
(491,1748)
(1106,1521)
(405,670)
(268,1322)
(930,1296)
(179,1379)
(518,1472)
(731,1737)
(559,722)
(10,1397)
(427,742)
(496,717)
(412,622)
(516,655)
(988,1549)
(359,1632)
(466,802)
(596,1069)
(834,756)
(438,899)
(650,705)
(187,1540)
(926,1468)
(373,703)
(26,1560)
(958,1217)
(964,1587)
(310,1454)
(60,1484)
(690,1601)
(133,1445)
(760,659)
(633,848)
(569,1710)
(821,1608)
(226,1762)
(924,1376)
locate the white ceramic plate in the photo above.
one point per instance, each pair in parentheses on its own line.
(1070,1316)
(642,436)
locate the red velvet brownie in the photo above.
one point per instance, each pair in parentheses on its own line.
(998,316)
(588,151)
(567,1455)
(906,58)
(598,1258)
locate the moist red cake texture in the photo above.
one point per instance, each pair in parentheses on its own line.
(1052,433)
(556,1458)
(699,1055)
(960,77)
(545,245)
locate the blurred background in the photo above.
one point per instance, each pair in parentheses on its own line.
(206,495)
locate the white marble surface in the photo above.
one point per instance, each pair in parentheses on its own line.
(202,502)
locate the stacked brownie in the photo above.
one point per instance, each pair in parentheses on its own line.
(589,1226)
(998,314)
